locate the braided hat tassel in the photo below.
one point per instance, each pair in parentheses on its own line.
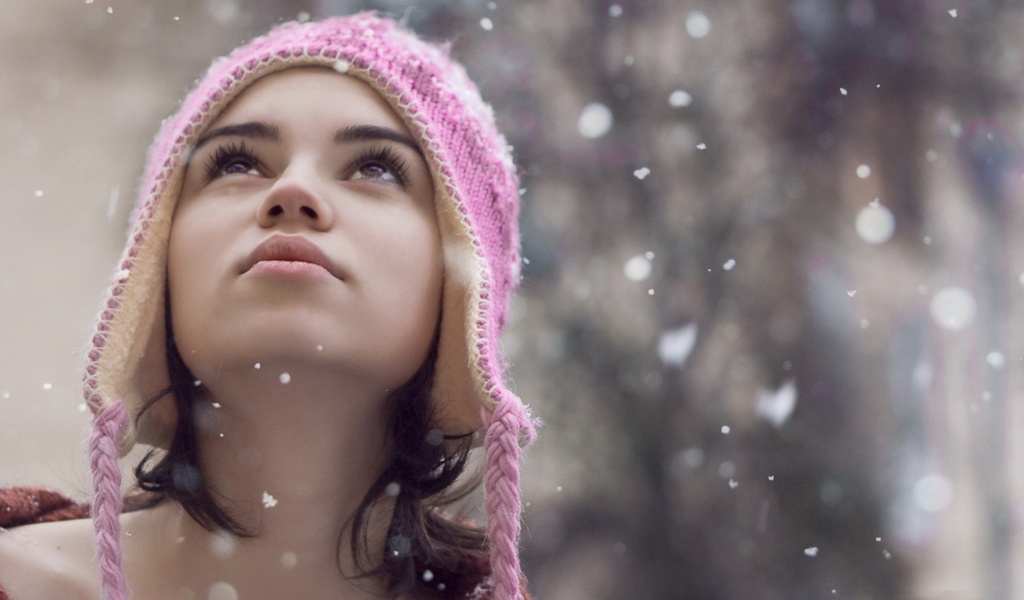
(108,426)
(506,425)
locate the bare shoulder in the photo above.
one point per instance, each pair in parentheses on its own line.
(49,560)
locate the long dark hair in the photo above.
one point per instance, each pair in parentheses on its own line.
(426,551)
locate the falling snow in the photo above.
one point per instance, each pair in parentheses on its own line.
(675,345)
(595,120)
(285,378)
(222,544)
(113,201)
(811,551)
(875,223)
(641,173)
(435,437)
(268,500)
(953,308)
(637,268)
(698,25)
(776,406)
(691,458)
(224,12)
(680,98)
(222,591)
(933,493)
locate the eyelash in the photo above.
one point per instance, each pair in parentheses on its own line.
(387,158)
(239,151)
(225,155)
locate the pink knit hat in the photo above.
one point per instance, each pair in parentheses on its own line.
(477,204)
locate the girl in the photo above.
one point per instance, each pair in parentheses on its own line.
(304,325)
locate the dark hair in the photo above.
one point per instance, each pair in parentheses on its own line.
(426,551)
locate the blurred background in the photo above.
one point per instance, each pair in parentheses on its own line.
(772,297)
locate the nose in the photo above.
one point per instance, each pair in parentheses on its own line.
(295,199)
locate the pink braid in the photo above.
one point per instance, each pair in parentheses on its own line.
(106,500)
(504,506)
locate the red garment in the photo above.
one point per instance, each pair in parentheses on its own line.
(21,506)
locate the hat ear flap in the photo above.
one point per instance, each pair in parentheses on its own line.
(156,416)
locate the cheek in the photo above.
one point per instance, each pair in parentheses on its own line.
(189,282)
(411,303)
(416,286)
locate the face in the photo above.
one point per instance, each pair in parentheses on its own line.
(305,235)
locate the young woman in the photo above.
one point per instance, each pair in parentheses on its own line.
(304,325)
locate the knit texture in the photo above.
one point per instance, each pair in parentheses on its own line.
(477,204)
(21,506)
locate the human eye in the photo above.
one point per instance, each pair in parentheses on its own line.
(232,159)
(381,164)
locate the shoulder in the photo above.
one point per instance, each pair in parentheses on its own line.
(48,559)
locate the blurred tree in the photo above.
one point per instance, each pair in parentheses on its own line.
(723,191)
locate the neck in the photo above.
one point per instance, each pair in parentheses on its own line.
(290,458)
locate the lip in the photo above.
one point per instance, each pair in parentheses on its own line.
(290,255)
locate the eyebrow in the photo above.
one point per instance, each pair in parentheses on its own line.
(355,133)
(252,129)
(373,133)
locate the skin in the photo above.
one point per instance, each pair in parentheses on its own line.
(346,336)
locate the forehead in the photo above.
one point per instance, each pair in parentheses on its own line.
(313,96)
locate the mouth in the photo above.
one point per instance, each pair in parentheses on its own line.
(290,255)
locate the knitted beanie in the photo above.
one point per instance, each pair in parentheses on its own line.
(477,205)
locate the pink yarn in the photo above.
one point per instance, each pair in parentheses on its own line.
(478,195)
(501,484)
(107,428)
